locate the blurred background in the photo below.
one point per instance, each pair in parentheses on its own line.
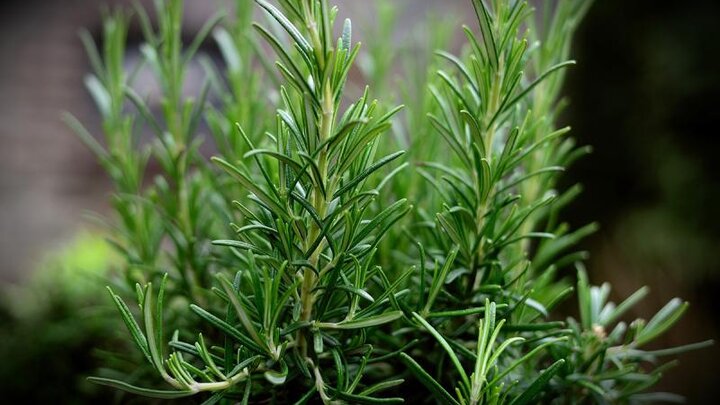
(644,94)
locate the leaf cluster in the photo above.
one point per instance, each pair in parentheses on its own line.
(327,285)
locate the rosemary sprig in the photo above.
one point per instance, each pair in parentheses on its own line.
(328,290)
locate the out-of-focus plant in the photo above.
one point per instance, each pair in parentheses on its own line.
(53,320)
(608,359)
(70,273)
(304,303)
(246,72)
(164,219)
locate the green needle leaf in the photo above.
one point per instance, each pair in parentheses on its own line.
(529,395)
(362,323)
(446,346)
(152,393)
(435,388)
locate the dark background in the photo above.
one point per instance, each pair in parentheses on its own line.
(645,94)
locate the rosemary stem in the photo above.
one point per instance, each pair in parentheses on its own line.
(319,202)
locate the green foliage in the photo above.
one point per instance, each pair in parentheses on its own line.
(292,267)
(49,323)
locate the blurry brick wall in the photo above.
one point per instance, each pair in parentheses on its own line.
(48,179)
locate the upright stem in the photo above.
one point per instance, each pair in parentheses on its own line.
(320,205)
(493,106)
(174,113)
(319,200)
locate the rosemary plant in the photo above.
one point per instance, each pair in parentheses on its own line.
(304,303)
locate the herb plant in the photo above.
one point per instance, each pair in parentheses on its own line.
(292,267)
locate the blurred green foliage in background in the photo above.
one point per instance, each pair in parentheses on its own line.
(49,325)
